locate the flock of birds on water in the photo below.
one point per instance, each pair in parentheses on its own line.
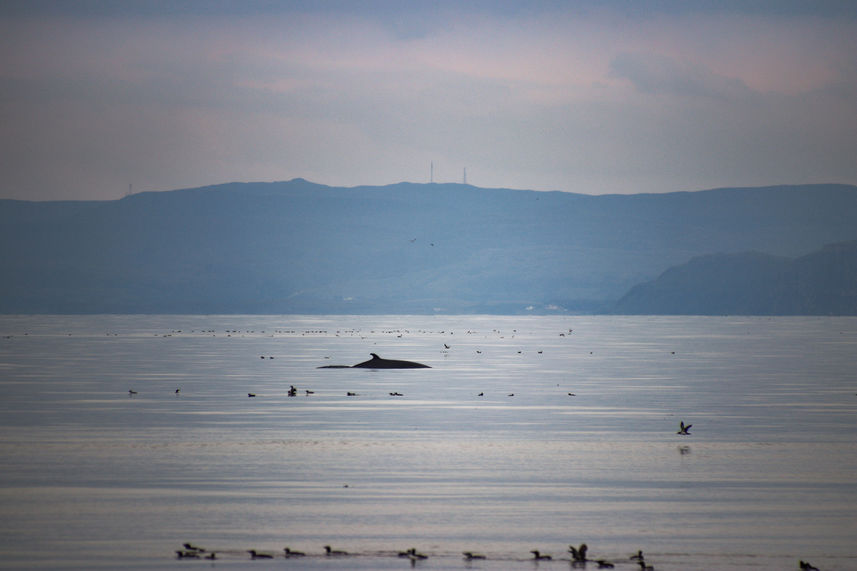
(577,556)
(684,429)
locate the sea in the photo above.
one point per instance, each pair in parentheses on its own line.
(124,437)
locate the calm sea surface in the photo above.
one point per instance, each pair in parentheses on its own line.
(93,476)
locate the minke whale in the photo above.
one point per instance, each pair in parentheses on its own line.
(377,362)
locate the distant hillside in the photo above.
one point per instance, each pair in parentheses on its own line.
(821,283)
(299,247)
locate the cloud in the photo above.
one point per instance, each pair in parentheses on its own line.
(657,74)
(587,98)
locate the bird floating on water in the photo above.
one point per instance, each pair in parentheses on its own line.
(333,552)
(413,554)
(187,554)
(537,556)
(290,553)
(256,555)
(191,547)
(469,556)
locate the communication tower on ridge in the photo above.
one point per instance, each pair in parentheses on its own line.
(464,178)
(431,172)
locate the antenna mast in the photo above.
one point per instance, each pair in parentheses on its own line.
(464,178)
(431,172)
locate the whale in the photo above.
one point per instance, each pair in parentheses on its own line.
(377,362)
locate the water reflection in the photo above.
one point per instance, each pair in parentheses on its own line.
(94,474)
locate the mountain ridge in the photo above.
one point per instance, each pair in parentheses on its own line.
(823,282)
(304,247)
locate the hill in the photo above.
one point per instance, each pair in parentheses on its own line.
(821,283)
(300,247)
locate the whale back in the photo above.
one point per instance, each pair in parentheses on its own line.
(377,362)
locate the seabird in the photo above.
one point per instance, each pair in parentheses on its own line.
(191,547)
(470,556)
(131,392)
(413,554)
(578,554)
(251,395)
(290,553)
(638,556)
(255,555)
(683,430)
(333,552)
(187,554)
(604,564)
(807,566)
(538,556)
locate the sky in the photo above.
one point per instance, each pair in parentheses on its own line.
(100,98)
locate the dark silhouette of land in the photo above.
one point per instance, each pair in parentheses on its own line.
(821,283)
(299,247)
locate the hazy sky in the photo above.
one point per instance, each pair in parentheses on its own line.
(592,97)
